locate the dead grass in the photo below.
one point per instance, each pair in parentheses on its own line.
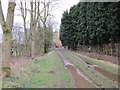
(98,56)
(20,72)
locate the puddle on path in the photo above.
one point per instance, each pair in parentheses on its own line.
(106,73)
(80,82)
(111,76)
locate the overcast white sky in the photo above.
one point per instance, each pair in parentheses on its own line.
(64,5)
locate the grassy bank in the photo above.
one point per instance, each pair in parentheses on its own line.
(101,64)
(95,76)
(43,72)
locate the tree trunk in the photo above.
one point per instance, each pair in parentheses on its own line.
(23,9)
(7,39)
(118,53)
(6,52)
(34,19)
(43,42)
(25,37)
(33,44)
(33,49)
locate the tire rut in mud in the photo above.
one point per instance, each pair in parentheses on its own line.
(106,73)
(79,80)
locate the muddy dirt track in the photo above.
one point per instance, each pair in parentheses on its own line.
(79,79)
(111,76)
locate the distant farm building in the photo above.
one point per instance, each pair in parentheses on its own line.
(56,40)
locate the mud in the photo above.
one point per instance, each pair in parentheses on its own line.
(111,76)
(107,74)
(88,63)
(80,82)
(51,72)
(77,57)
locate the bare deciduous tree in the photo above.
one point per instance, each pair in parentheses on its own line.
(35,13)
(45,14)
(23,9)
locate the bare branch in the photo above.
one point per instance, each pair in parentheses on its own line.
(10,13)
(38,10)
(1,14)
(35,10)
(25,9)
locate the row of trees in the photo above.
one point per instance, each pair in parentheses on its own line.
(34,39)
(91,24)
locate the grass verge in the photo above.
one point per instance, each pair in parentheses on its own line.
(44,72)
(95,76)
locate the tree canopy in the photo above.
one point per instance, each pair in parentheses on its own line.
(90,23)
